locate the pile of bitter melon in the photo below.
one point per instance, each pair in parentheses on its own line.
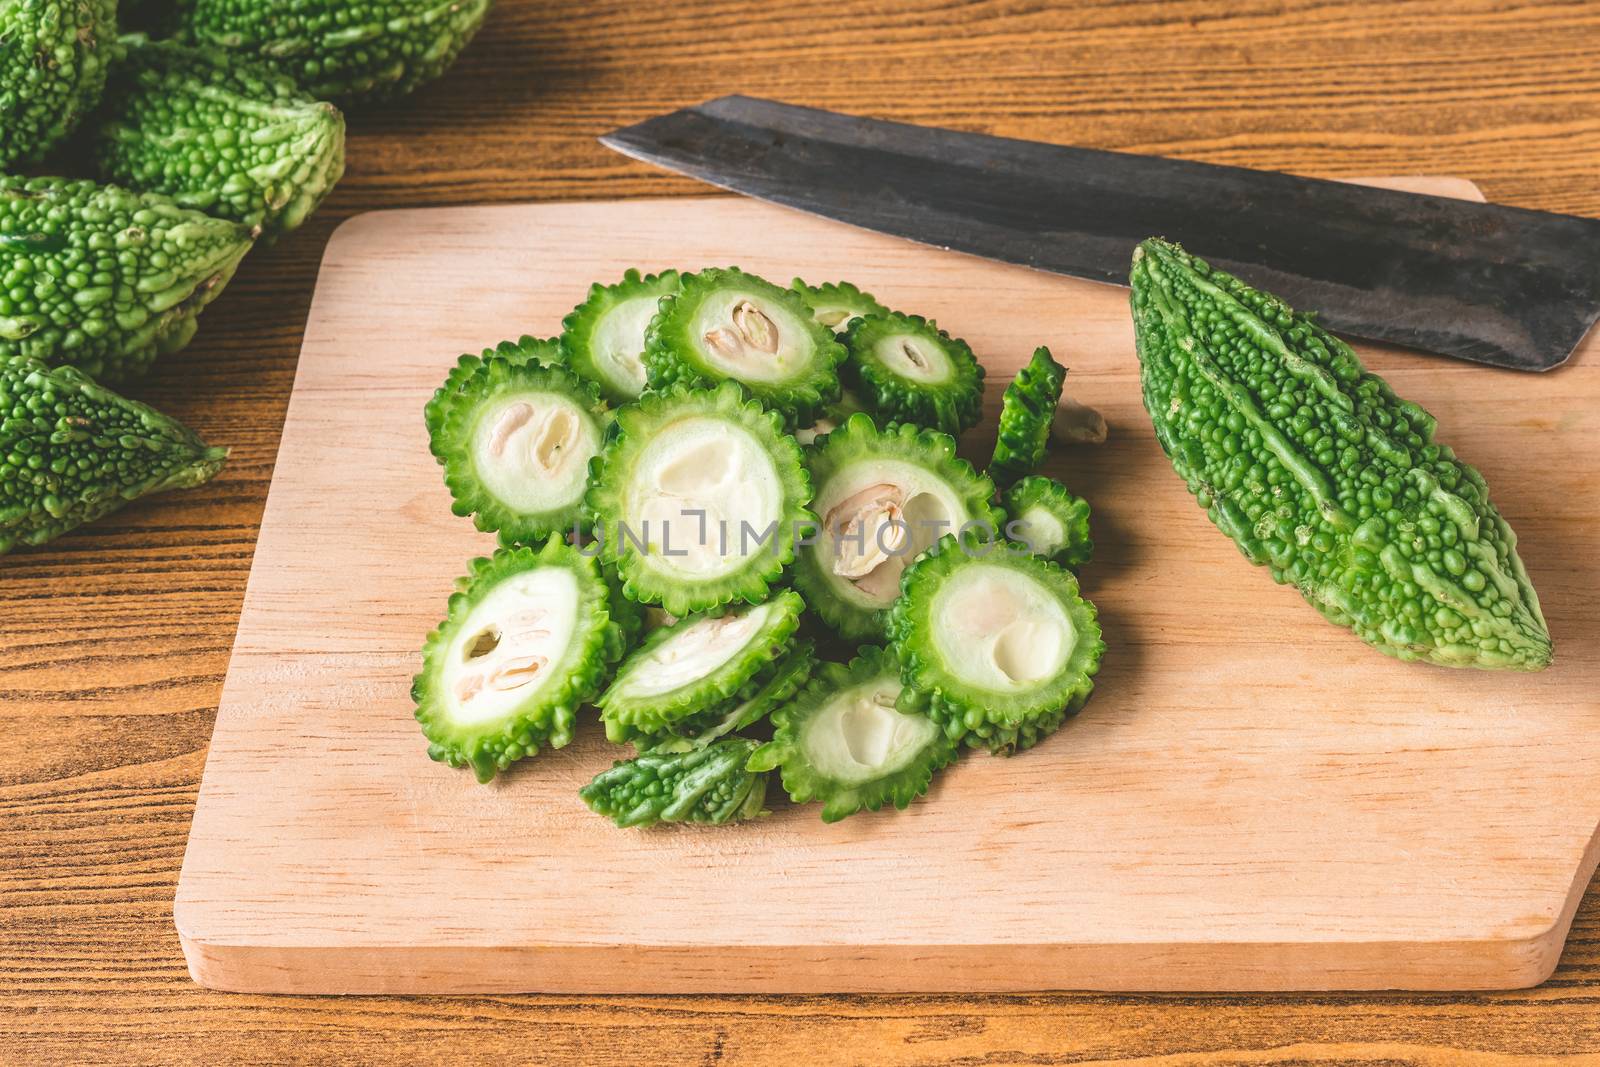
(188,148)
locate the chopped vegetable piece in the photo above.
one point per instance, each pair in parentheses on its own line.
(1027,409)
(906,369)
(836,304)
(704,785)
(1050,520)
(604,336)
(831,419)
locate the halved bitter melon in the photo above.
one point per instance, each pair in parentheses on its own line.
(604,336)
(528,637)
(836,304)
(845,742)
(705,785)
(883,497)
(994,644)
(1027,409)
(906,369)
(1045,515)
(724,324)
(698,498)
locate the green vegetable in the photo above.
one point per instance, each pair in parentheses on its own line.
(698,498)
(844,742)
(54,55)
(371,50)
(724,324)
(1026,410)
(994,644)
(1317,470)
(687,678)
(906,369)
(836,304)
(768,690)
(1050,520)
(105,279)
(72,451)
(515,439)
(830,419)
(604,336)
(218,134)
(705,785)
(527,639)
(883,496)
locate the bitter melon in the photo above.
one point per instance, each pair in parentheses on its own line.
(883,497)
(836,304)
(831,418)
(535,350)
(704,785)
(219,134)
(105,279)
(54,55)
(1317,470)
(1027,409)
(1044,515)
(995,644)
(72,451)
(604,336)
(906,369)
(844,742)
(527,639)
(724,324)
(698,498)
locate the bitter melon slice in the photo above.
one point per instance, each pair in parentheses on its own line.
(831,419)
(604,336)
(1027,409)
(704,785)
(525,350)
(767,690)
(906,369)
(836,304)
(1044,515)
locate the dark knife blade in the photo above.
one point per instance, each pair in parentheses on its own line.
(1481,282)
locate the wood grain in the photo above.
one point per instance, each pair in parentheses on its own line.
(115,640)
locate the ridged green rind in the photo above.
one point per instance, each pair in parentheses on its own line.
(1072,512)
(705,785)
(859,440)
(104,279)
(1317,470)
(636,426)
(773,685)
(72,451)
(578,329)
(804,781)
(687,709)
(1026,410)
(836,304)
(217,133)
(455,421)
(675,355)
(1002,721)
(953,406)
(54,57)
(367,51)
(546,719)
(451,395)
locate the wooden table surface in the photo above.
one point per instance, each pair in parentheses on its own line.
(114,640)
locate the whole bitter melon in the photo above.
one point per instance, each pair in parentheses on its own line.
(1318,471)
(54,55)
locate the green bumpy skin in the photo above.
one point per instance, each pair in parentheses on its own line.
(769,689)
(515,439)
(706,785)
(1317,470)
(715,662)
(218,134)
(497,681)
(844,742)
(906,369)
(104,279)
(1050,520)
(865,479)
(1027,409)
(994,644)
(54,56)
(604,336)
(710,486)
(538,351)
(837,304)
(724,324)
(72,451)
(355,53)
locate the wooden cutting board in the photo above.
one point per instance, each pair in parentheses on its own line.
(1252,800)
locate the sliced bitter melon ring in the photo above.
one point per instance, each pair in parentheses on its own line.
(883,496)
(836,304)
(1045,515)
(771,687)
(906,369)
(698,498)
(831,419)
(524,350)
(994,644)
(690,673)
(603,337)
(844,741)
(515,439)
(726,325)
(528,638)
(1027,409)
(706,785)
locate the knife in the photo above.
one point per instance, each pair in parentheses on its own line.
(1482,282)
